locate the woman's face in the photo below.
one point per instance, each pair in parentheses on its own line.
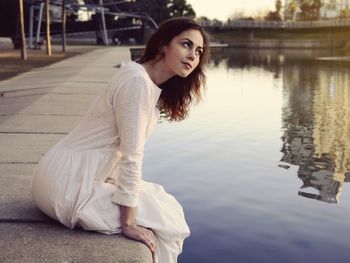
(182,54)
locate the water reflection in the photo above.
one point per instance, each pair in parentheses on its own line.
(315,114)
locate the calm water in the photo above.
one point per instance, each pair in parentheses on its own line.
(261,167)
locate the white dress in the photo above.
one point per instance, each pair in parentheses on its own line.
(81,180)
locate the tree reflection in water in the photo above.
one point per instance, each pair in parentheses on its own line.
(315,114)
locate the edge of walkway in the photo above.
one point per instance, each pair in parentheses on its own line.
(37,109)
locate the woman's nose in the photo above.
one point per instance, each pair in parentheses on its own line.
(191,54)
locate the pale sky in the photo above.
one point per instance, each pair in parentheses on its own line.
(223,9)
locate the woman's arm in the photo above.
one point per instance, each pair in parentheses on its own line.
(127,216)
(133,108)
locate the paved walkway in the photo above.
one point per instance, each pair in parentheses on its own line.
(38,108)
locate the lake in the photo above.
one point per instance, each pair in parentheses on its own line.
(262,165)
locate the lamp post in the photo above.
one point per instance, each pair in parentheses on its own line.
(23,37)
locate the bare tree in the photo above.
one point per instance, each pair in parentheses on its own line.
(23,37)
(48,37)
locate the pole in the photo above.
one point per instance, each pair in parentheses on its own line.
(48,38)
(104,29)
(64,20)
(23,37)
(31,18)
(37,41)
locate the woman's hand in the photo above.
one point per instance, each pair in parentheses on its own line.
(131,230)
(141,234)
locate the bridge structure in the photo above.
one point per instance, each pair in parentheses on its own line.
(102,9)
(248,24)
(332,33)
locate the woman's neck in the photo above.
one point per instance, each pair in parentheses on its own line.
(157,71)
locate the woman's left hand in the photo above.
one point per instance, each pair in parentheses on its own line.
(141,234)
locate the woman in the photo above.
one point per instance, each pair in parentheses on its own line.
(92,177)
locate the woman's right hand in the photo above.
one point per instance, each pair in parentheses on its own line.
(141,234)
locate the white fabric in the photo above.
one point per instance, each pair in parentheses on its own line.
(83,178)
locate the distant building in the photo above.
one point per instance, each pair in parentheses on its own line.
(329,9)
(332,8)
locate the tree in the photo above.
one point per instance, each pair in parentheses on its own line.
(275,15)
(216,24)
(278,6)
(305,8)
(161,10)
(157,9)
(180,8)
(310,9)
(293,5)
(315,9)
(344,13)
(204,21)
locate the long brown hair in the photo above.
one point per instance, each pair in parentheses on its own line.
(178,93)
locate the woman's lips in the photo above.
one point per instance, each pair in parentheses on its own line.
(188,65)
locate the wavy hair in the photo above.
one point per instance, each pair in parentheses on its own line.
(178,93)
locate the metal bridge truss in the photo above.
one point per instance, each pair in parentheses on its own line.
(101,8)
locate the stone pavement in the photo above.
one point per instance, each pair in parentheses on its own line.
(38,108)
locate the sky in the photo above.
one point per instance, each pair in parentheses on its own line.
(223,9)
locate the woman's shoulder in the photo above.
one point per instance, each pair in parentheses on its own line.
(132,76)
(133,72)
(133,69)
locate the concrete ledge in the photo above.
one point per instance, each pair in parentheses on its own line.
(27,235)
(50,242)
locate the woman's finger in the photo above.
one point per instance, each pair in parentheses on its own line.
(150,241)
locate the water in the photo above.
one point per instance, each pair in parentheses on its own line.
(261,166)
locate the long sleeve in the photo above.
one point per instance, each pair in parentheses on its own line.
(133,106)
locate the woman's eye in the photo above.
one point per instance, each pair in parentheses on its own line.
(199,52)
(186,44)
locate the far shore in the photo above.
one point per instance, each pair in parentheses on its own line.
(12,65)
(280,38)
